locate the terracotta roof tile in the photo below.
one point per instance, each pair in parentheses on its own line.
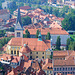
(61,53)
(69,58)
(33,43)
(48,65)
(25,7)
(4,11)
(55,25)
(55,31)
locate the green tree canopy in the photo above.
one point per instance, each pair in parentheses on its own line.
(68,43)
(58,43)
(69,23)
(27,35)
(26,20)
(48,37)
(37,33)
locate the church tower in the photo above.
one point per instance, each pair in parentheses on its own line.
(19,26)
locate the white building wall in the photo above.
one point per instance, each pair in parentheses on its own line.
(64,70)
(63,38)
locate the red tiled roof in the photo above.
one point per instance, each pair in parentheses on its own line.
(61,53)
(25,7)
(32,43)
(55,25)
(48,65)
(44,31)
(4,11)
(25,49)
(69,58)
(40,72)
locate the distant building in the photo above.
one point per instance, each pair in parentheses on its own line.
(7,4)
(64,62)
(4,14)
(55,32)
(23,10)
(31,47)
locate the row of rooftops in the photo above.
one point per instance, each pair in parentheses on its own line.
(67,58)
(44,31)
(46,64)
(29,66)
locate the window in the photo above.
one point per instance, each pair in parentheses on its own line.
(74,68)
(60,69)
(36,52)
(18,34)
(57,69)
(63,69)
(43,53)
(68,68)
(17,52)
(14,52)
(43,57)
(36,56)
(47,71)
(54,69)
(71,68)
(11,52)
(30,52)
(30,57)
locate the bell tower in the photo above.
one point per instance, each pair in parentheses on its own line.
(19,26)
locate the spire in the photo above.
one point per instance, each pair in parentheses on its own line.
(19,16)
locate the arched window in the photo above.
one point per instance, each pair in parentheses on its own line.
(11,52)
(17,52)
(14,52)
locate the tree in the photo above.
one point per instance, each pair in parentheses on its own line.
(68,43)
(0,45)
(26,20)
(37,33)
(27,35)
(58,43)
(11,29)
(48,37)
(73,46)
(12,7)
(50,10)
(69,23)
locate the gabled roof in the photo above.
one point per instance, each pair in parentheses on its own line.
(32,43)
(44,31)
(69,58)
(25,7)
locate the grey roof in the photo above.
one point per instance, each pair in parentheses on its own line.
(19,18)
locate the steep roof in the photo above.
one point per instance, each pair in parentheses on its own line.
(69,58)
(25,49)
(19,18)
(25,7)
(69,62)
(40,72)
(4,11)
(44,31)
(61,53)
(32,43)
